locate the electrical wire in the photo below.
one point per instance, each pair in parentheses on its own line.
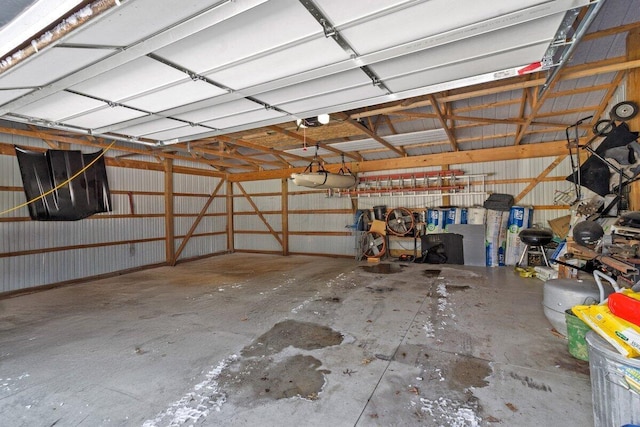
(62,184)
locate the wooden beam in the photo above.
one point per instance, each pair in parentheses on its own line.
(508,121)
(540,177)
(312,142)
(611,31)
(85,141)
(230,226)
(285,216)
(443,123)
(524,151)
(246,144)
(633,94)
(8,149)
(584,70)
(196,222)
(169,226)
(371,134)
(264,220)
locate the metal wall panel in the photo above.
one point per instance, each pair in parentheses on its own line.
(343,245)
(257,242)
(30,270)
(202,245)
(40,269)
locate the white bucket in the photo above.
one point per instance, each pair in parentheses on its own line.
(616,399)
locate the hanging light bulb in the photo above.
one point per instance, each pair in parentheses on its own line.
(311,122)
(323,119)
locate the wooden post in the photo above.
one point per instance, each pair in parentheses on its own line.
(285,216)
(169,230)
(633,94)
(446,199)
(230,236)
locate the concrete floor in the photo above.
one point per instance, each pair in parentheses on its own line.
(246,339)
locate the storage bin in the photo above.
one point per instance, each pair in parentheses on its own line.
(615,384)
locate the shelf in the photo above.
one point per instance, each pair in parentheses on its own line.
(434,183)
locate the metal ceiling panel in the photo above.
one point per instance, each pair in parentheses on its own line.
(330,102)
(154,126)
(280,63)
(136,77)
(133,21)
(619,12)
(337,82)
(602,48)
(436,17)
(342,13)
(179,132)
(244,118)
(173,96)
(458,74)
(104,116)
(251,33)
(8,95)
(175,32)
(490,44)
(50,66)
(395,140)
(217,111)
(60,106)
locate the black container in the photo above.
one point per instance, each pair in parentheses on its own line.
(380,212)
(452,246)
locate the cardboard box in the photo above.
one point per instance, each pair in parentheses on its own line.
(560,226)
(545,273)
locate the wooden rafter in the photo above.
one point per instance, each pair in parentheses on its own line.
(257,147)
(312,142)
(585,70)
(398,150)
(443,122)
(525,151)
(389,123)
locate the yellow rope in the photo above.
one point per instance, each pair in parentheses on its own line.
(62,184)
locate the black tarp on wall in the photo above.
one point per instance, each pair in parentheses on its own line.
(84,196)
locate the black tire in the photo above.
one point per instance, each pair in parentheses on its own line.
(603,127)
(623,111)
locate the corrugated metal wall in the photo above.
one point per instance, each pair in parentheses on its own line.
(317,223)
(192,193)
(104,243)
(508,177)
(330,215)
(250,231)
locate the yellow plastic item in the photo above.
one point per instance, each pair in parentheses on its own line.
(631,294)
(379,227)
(623,335)
(526,272)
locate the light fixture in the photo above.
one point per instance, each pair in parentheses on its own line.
(312,122)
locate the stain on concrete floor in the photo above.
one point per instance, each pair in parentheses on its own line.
(256,379)
(269,371)
(302,335)
(431,273)
(383,268)
(469,372)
